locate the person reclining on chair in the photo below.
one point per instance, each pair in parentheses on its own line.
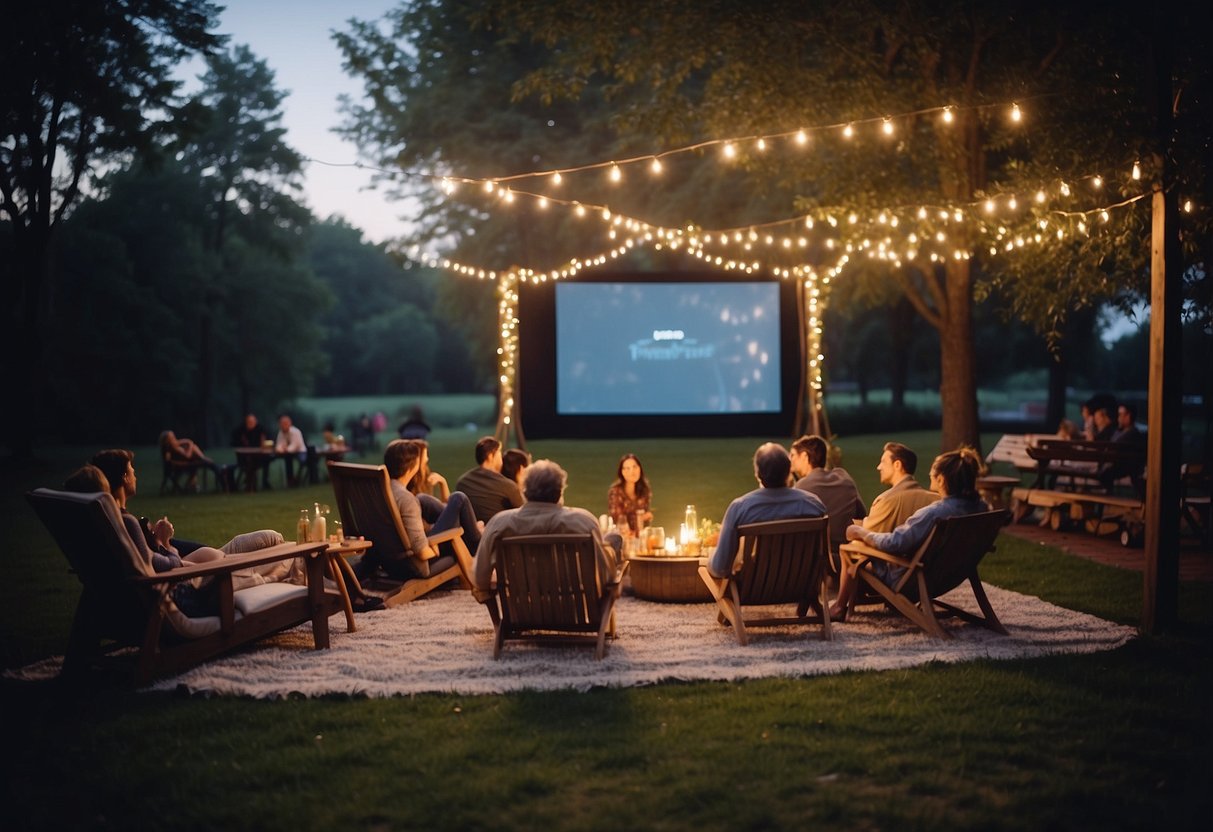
(543,512)
(181,451)
(115,469)
(773,500)
(954,477)
(403,458)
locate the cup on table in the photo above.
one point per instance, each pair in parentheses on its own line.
(655,538)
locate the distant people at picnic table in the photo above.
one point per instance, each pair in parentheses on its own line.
(1098,423)
(251,434)
(954,478)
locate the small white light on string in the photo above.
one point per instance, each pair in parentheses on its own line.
(1013,203)
(1187,206)
(729,150)
(887,127)
(1016,115)
(616,173)
(808,222)
(948,115)
(557,178)
(762,144)
(655,167)
(1103,215)
(509,195)
(922,213)
(579,210)
(1065,189)
(989,206)
(1136,170)
(1097,182)
(802,138)
(488,187)
(848,131)
(1040,196)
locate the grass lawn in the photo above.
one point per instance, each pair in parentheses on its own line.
(1120,740)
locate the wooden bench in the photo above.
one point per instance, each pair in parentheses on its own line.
(1081,461)
(1012,448)
(1098,513)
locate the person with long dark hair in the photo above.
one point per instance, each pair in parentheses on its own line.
(629,499)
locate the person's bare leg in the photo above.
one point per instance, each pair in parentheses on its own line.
(846,591)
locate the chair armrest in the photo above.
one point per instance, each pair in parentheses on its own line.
(442,537)
(232,563)
(857,549)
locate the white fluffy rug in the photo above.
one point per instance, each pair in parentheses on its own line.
(444,643)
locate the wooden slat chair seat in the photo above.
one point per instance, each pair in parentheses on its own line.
(783,562)
(364,500)
(125,602)
(946,559)
(548,590)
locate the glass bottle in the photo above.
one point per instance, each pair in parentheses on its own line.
(692,522)
(319,523)
(303,530)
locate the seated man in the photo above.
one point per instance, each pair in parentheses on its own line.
(291,445)
(833,486)
(1128,433)
(543,513)
(489,491)
(403,458)
(250,434)
(904,497)
(773,500)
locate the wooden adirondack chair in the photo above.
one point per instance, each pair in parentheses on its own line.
(127,603)
(782,562)
(947,558)
(548,590)
(364,499)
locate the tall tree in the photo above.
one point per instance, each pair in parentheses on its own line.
(237,150)
(82,83)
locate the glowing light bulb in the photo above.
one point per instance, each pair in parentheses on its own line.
(488,187)
(948,116)
(1065,189)
(616,173)
(808,222)
(509,195)
(1016,115)
(1012,203)
(848,131)
(1103,215)
(762,144)
(729,150)
(1097,182)
(1187,206)
(802,138)
(887,127)
(989,206)
(656,166)
(579,210)
(1137,170)
(1040,196)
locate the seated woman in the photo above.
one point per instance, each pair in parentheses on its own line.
(629,497)
(513,464)
(954,477)
(187,452)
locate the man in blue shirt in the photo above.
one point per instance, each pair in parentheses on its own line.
(774,500)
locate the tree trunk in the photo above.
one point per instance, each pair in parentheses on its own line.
(957,375)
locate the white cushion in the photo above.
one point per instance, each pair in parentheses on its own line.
(257,598)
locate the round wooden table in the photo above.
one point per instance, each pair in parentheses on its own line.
(668,579)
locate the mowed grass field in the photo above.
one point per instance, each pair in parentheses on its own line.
(1119,740)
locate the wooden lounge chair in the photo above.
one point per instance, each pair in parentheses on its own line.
(128,604)
(782,562)
(948,557)
(548,590)
(364,499)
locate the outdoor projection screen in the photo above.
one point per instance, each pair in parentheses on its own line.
(622,355)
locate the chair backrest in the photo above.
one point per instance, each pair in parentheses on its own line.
(364,500)
(783,561)
(953,550)
(549,581)
(89,531)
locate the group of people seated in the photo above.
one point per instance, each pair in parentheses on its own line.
(497,499)
(288,443)
(112,471)
(1104,419)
